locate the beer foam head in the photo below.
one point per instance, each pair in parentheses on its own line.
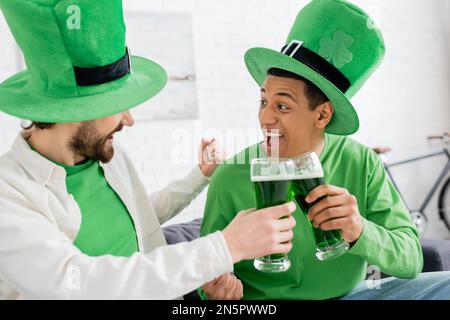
(271,168)
(305,166)
(290,177)
(308,164)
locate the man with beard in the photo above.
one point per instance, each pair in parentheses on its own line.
(75,220)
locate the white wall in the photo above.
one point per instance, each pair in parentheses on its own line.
(406,100)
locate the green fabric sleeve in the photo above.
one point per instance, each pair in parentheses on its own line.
(389,239)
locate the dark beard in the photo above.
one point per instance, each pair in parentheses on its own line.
(88,143)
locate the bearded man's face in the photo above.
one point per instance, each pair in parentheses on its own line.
(94,139)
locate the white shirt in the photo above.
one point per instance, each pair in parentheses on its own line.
(39,222)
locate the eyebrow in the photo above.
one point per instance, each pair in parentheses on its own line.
(282,94)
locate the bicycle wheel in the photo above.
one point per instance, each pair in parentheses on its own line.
(444,203)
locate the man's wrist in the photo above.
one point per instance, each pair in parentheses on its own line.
(206,173)
(359,245)
(231,247)
(357,235)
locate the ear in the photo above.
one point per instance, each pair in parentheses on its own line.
(324,113)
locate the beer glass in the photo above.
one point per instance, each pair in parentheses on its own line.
(271,179)
(309,175)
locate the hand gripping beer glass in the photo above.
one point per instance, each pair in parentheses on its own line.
(271,179)
(309,175)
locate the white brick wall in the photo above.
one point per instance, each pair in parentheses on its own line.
(407,99)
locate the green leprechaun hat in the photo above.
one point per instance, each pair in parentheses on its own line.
(335,45)
(78,65)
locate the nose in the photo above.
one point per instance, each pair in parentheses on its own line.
(267,116)
(127,119)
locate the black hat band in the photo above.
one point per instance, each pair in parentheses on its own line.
(314,61)
(100,75)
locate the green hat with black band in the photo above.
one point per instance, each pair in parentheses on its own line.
(78,65)
(335,45)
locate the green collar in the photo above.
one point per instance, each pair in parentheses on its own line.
(70,170)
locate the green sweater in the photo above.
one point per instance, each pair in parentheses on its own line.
(389,239)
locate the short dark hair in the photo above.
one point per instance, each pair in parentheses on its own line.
(315,96)
(40,125)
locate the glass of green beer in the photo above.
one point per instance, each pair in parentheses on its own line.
(309,175)
(271,179)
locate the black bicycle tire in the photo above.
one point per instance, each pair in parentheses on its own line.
(444,215)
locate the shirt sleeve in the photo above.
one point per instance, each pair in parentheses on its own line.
(389,240)
(41,262)
(171,200)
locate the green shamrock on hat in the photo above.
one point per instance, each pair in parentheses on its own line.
(336,50)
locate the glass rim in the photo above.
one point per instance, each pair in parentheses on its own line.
(317,171)
(270,160)
(304,155)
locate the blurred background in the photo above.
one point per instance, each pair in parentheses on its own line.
(201,43)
